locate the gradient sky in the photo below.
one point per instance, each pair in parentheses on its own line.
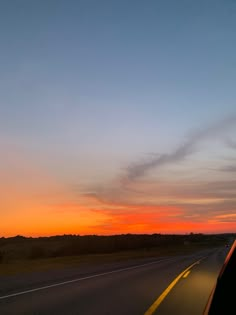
(117,116)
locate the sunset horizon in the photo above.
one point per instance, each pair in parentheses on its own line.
(117,117)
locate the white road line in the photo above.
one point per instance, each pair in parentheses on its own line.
(81,279)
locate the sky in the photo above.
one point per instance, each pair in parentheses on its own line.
(117,117)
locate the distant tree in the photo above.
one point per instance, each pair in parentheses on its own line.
(36,252)
(1,257)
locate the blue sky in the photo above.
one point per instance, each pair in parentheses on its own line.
(91,88)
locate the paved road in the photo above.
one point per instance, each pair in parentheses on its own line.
(122,289)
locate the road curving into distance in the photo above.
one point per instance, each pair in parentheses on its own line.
(165,286)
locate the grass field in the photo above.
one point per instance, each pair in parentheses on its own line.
(17,266)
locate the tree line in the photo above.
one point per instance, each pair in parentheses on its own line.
(70,245)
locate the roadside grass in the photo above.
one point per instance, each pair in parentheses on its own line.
(20,266)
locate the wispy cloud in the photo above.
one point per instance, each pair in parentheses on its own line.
(228,168)
(140,169)
(149,204)
(163,219)
(124,187)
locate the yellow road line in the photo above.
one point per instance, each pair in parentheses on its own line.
(186,274)
(158,301)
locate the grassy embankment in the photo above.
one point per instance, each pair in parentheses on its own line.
(24,256)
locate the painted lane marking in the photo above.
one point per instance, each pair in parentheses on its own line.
(186,274)
(81,279)
(158,301)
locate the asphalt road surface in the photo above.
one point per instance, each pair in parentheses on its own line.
(169,285)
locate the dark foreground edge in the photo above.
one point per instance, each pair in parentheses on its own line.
(222,300)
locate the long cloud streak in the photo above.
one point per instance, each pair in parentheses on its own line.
(140,169)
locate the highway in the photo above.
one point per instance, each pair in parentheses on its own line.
(165,286)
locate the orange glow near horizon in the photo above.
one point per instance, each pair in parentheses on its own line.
(82,220)
(34,204)
(117,119)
